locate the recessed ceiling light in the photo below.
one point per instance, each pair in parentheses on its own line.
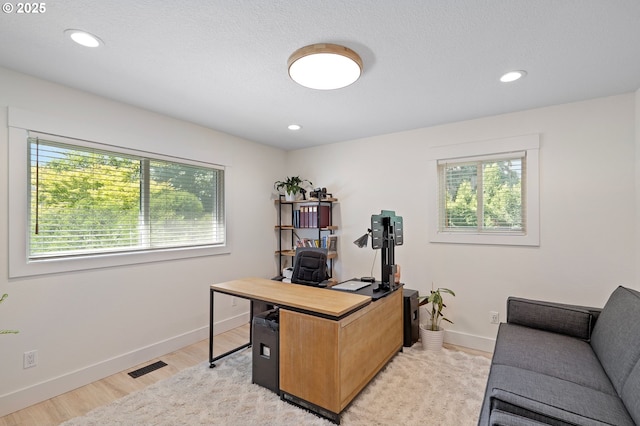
(294,127)
(324,66)
(84,38)
(512,76)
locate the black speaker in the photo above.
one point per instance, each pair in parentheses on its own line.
(411,317)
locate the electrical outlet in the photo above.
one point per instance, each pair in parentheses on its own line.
(30,359)
(494,317)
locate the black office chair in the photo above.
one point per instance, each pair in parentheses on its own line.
(310,267)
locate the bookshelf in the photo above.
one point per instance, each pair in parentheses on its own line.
(305,223)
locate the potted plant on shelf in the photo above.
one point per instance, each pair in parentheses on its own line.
(291,185)
(4,296)
(431,334)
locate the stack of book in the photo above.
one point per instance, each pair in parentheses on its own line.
(311,217)
(329,242)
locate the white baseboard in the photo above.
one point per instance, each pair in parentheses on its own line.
(470,341)
(50,388)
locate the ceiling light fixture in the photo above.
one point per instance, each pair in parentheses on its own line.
(324,66)
(294,127)
(84,38)
(512,76)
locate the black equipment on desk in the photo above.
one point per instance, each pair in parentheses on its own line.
(386,233)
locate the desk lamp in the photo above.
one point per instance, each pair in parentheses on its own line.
(362,242)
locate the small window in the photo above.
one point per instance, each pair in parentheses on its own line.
(85,200)
(485,192)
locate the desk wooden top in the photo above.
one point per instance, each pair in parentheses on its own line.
(306,298)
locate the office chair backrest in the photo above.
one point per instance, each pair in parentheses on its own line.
(310,267)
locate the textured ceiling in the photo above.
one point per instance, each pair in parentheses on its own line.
(223,63)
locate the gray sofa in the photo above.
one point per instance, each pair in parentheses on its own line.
(566,365)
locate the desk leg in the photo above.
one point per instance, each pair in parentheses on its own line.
(211,364)
(212,359)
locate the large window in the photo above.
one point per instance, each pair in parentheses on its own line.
(86,200)
(485,192)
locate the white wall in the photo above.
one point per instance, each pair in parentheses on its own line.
(637,157)
(587,209)
(90,324)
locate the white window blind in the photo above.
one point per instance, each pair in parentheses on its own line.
(483,194)
(84,200)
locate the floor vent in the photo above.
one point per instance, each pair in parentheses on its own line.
(148,369)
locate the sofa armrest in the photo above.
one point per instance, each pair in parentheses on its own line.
(571,320)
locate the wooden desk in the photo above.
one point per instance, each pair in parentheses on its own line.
(332,343)
(315,300)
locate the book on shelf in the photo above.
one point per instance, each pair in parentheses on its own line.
(296,218)
(323,216)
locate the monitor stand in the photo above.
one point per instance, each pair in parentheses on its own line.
(368,290)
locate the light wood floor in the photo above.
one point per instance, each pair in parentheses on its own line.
(84,399)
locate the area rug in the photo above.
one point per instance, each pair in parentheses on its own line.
(416,387)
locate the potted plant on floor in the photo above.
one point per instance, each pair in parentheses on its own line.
(431,334)
(291,185)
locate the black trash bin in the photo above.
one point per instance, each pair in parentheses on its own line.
(266,350)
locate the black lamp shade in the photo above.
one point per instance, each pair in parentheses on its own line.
(362,241)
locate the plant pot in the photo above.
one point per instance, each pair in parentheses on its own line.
(288,196)
(431,340)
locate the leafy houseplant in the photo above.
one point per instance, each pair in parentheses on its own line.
(437,304)
(292,185)
(431,335)
(4,296)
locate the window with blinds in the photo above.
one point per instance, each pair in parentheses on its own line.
(484,194)
(84,200)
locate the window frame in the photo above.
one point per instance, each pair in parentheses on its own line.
(19,263)
(530,144)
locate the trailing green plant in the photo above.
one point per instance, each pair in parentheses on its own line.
(291,185)
(4,296)
(437,305)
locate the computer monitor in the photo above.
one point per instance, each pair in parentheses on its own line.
(386,227)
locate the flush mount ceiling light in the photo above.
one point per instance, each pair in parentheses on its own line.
(84,38)
(512,76)
(294,127)
(324,66)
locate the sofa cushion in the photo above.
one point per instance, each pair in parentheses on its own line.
(616,335)
(551,400)
(631,393)
(564,357)
(502,418)
(571,320)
